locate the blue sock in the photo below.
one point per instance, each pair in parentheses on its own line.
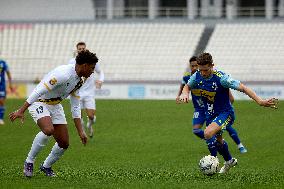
(224,150)
(199,133)
(2,111)
(234,135)
(212,147)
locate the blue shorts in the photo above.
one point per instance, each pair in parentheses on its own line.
(199,117)
(224,120)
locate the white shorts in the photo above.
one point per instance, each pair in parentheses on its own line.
(88,102)
(40,109)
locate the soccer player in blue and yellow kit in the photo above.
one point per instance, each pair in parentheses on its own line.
(4,69)
(199,109)
(213,87)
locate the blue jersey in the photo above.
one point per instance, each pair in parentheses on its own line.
(196,99)
(3,68)
(214,92)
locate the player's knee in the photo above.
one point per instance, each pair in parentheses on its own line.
(63,144)
(208,134)
(91,117)
(48,131)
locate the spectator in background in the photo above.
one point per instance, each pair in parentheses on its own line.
(87,91)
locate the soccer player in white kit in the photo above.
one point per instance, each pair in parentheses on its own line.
(46,110)
(87,91)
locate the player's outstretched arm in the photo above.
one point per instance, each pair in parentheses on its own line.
(20,113)
(272,102)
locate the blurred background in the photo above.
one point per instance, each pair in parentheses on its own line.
(144,45)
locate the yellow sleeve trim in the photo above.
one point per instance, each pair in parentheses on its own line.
(46,86)
(73,94)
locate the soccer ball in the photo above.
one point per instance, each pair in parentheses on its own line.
(209,165)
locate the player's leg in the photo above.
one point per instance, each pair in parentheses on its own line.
(91,113)
(2,109)
(211,141)
(61,137)
(234,135)
(90,106)
(41,116)
(62,142)
(197,122)
(223,149)
(222,121)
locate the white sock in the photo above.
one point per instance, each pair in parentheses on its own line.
(240,145)
(54,155)
(39,142)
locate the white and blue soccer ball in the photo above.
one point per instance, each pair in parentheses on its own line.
(209,165)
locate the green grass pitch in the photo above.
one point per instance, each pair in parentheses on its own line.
(147,144)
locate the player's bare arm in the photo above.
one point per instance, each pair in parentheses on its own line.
(272,102)
(185,94)
(19,113)
(10,81)
(179,93)
(99,84)
(231,97)
(81,133)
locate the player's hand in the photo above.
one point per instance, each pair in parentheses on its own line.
(184,98)
(17,114)
(178,100)
(12,89)
(272,103)
(83,137)
(99,84)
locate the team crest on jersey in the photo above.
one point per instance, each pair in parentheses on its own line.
(214,86)
(53,81)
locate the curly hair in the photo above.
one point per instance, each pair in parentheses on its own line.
(193,58)
(86,57)
(204,58)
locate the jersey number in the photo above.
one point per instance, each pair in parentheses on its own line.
(195,115)
(39,110)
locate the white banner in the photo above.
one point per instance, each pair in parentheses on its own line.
(169,91)
(264,91)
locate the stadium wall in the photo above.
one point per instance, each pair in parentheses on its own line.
(145,91)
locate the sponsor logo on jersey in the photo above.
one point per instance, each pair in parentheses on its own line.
(207,94)
(53,81)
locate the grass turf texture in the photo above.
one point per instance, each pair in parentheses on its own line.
(147,144)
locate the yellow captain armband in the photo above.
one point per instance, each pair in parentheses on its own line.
(186,74)
(219,74)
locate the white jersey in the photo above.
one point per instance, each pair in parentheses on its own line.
(57,85)
(88,88)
